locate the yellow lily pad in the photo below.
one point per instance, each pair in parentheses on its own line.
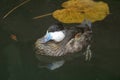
(70,15)
(77,3)
(75,11)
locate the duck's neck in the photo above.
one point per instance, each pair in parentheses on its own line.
(69,35)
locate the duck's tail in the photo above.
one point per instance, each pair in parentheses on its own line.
(85,23)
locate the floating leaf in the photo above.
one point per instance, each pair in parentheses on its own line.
(77,3)
(75,11)
(70,15)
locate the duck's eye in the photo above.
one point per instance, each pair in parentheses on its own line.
(55,27)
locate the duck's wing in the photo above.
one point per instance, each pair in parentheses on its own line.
(78,43)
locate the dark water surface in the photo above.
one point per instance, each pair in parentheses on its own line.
(17,59)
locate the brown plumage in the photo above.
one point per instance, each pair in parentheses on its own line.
(77,40)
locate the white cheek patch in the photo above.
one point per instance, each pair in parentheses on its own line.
(58,36)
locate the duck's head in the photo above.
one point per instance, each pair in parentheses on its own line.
(55,32)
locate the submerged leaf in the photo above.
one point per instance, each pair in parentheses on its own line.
(75,11)
(13,37)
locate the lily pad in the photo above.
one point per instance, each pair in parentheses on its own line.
(75,11)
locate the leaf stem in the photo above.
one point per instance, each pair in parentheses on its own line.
(41,16)
(15,8)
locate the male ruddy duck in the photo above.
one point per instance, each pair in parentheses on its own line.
(61,42)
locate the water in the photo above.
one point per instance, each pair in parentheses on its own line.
(17,61)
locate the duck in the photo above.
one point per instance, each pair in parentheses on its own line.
(61,42)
